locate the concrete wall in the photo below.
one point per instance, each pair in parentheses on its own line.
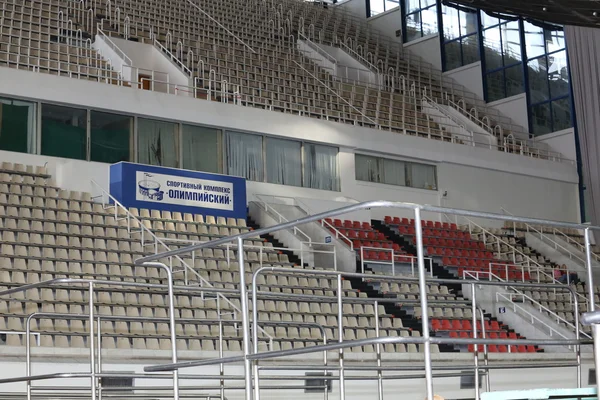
(356,7)
(428,48)
(389,23)
(562,142)
(514,107)
(469,76)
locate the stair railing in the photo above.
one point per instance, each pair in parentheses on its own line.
(555,232)
(126,219)
(540,233)
(281,219)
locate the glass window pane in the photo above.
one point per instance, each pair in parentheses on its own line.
(394,172)
(558,74)
(511,42)
(321,167)
(555,40)
(452,55)
(487,20)
(377,6)
(111,137)
(245,156)
(17,125)
(201,149)
(421,176)
(514,80)
(450,22)
(284,162)
(367,168)
(412,5)
(429,20)
(470,49)
(541,119)
(391,4)
(413,27)
(157,143)
(495,86)
(64,132)
(468,22)
(493,49)
(538,79)
(561,114)
(534,40)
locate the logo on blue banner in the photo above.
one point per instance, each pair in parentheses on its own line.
(170,189)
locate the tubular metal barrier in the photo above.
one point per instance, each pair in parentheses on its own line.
(251,356)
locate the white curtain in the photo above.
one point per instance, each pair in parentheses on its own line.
(157,143)
(584,58)
(284,162)
(367,168)
(422,176)
(321,167)
(201,149)
(245,156)
(394,172)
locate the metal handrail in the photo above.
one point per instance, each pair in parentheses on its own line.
(392,262)
(158,241)
(554,243)
(318,49)
(360,58)
(114,47)
(248,358)
(173,58)
(281,218)
(534,318)
(221,26)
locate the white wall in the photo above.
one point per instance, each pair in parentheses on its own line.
(428,48)
(479,179)
(562,142)
(469,76)
(389,23)
(118,63)
(514,107)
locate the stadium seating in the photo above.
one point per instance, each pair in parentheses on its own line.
(256,63)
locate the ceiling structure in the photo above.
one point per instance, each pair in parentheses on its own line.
(563,12)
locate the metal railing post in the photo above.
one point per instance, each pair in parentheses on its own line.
(378,351)
(423,294)
(221,366)
(91,339)
(245,322)
(341,336)
(592,305)
(476,351)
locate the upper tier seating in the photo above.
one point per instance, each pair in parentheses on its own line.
(248,60)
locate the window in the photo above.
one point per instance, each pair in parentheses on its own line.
(17,126)
(460,37)
(321,167)
(420,19)
(157,143)
(548,77)
(503,72)
(381,6)
(111,137)
(64,132)
(245,156)
(395,172)
(284,161)
(201,149)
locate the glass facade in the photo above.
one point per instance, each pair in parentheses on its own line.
(283,161)
(503,73)
(381,6)
(395,172)
(201,148)
(548,77)
(157,143)
(64,132)
(111,137)
(460,27)
(420,19)
(17,125)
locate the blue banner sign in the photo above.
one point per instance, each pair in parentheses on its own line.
(171,189)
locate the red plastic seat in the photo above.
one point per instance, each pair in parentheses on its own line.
(388,220)
(397,221)
(356,224)
(494,326)
(492,348)
(337,222)
(366,225)
(352,235)
(457,325)
(405,221)
(466,325)
(438,225)
(502,348)
(348,224)
(521,349)
(446,325)
(531,349)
